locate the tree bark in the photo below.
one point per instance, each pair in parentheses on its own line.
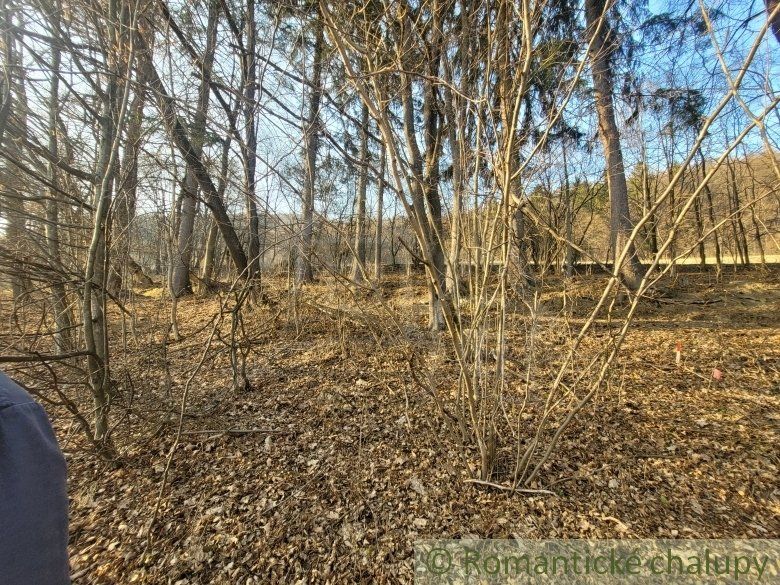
(182,261)
(12,186)
(773,14)
(648,201)
(739,226)
(569,256)
(209,254)
(421,185)
(380,192)
(621,226)
(514,199)
(304,271)
(672,216)
(454,112)
(249,146)
(125,204)
(167,107)
(430,177)
(700,232)
(711,214)
(62,317)
(93,308)
(359,261)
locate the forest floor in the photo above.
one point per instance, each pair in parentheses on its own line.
(355,467)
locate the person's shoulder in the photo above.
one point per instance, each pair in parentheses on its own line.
(11,394)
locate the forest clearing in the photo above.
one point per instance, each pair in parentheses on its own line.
(333,461)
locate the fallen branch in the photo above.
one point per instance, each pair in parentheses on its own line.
(236,432)
(40,357)
(509,488)
(688,302)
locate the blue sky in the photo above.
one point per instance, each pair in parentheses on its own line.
(662,66)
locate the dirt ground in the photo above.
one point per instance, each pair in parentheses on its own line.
(350,465)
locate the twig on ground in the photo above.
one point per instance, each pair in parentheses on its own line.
(237,432)
(509,488)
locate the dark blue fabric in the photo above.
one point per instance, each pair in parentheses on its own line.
(33,496)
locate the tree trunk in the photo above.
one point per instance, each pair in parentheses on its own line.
(455,115)
(249,146)
(124,208)
(62,316)
(304,271)
(422,194)
(698,216)
(737,250)
(94,315)
(773,14)
(359,263)
(648,201)
(167,107)
(740,235)
(182,260)
(207,265)
(648,196)
(672,217)
(711,214)
(182,256)
(568,220)
(433,139)
(394,246)
(12,186)
(621,226)
(513,196)
(380,192)
(699,232)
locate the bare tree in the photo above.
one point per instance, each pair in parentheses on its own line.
(95,278)
(180,137)
(15,117)
(249,144)
(621,226)
(380,200)
(188,197)
(62,317)
(304,271)
(359,264)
